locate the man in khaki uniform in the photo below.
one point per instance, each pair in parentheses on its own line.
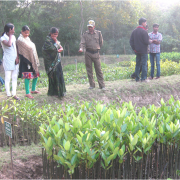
(92,41)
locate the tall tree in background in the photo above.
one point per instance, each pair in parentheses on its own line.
(116,20)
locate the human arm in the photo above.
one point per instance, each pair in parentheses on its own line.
(131,41)
(17,58)
(9,42)
(145,38)
(60,49)
(100,39)
(82,43)
(158,40)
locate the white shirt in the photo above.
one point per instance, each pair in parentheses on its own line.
(9,53)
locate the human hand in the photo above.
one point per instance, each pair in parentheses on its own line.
(61,49)
(11,31)
(17,60)
(80,50)
(55,39)
(150,41)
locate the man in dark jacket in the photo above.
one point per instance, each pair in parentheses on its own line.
(139,43)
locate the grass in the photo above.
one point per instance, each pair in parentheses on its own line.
(128,90)
(18,152)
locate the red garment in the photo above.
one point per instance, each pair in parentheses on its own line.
(141,27)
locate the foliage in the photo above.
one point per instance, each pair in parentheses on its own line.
(173,56)
(92,132)
(119,70)
(116,20)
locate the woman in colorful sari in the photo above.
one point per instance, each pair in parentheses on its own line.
(52,60)
(29,62)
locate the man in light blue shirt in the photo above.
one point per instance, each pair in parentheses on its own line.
(155,39)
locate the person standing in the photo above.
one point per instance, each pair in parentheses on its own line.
(10,59)
(155,38)
(139,41)
(92,41)
(29,61)
(133,76)
(52,61)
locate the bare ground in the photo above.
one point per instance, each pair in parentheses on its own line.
(27,162)
(30,168)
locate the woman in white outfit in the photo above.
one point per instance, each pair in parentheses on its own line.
(10,59)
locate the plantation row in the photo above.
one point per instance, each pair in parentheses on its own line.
(112,138)
(118,141)
(121,70)
(111,72)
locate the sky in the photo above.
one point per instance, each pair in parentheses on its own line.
(167,3)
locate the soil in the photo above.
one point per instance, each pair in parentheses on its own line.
(30,168)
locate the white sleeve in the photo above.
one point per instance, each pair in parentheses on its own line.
(2,38)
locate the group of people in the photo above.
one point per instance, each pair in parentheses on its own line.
(143,43)
(20,57)
(20,60)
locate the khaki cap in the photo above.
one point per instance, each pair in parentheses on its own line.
(91,23)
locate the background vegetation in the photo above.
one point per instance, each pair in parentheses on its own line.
(116,20)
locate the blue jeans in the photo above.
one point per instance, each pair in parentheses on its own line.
(1,80)
(141,59)
(152,56)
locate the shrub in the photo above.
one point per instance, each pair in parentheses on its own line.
(87,135)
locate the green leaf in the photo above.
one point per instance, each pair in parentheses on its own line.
(110,157)
(59,133)
(79,138)
(67,146)
(134,141)
(121,152)
(123,127)
(73,160)
(168,128)
(147,149)
(67,126)
(116,150)
(105,135)
(49,142)
(61,122)
(69,164)
(98,133)
(123,148)
(56,128)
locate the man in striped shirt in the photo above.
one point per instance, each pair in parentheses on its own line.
(155,39)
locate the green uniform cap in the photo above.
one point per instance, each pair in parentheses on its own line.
(91,23)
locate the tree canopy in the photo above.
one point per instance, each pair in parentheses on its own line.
(115,19)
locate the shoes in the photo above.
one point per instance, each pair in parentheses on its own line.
(157,77)
(145,80)
(16,98)
(91,87)
(35,92)
(104,89)
(150,78)
(29,96)
(64,94)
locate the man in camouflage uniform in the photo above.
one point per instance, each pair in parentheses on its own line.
(92,41)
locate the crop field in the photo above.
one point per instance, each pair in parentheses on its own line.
(93,133)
